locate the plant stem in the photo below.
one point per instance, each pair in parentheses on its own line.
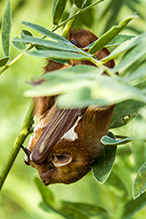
(15,59)
(24,132)
(69,24)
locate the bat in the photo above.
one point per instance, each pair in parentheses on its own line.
(65,142)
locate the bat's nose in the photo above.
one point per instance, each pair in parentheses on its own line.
(45,172)
(44,177)
(46,182)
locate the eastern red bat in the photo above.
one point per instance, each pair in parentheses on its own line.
(66,142)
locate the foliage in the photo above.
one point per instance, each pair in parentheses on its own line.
(81,86)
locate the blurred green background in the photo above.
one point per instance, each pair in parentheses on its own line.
(20,197)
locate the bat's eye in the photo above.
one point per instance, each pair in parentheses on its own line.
(50,167)
(73,42)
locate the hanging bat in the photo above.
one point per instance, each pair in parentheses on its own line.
(66,142)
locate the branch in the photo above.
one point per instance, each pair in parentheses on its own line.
(24,132)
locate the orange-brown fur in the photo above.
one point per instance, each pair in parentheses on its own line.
(92,126)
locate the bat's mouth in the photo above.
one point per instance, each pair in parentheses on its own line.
(46,183)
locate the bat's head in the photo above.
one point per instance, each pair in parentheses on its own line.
(67,158)
(64,165)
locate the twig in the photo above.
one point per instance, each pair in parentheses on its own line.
(24,132)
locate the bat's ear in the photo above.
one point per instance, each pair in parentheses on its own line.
(61,159)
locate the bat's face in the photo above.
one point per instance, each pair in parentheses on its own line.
(66,142)
(63,165)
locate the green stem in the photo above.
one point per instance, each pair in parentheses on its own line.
(97,62)
(15,59)
(69,24)
(24,132)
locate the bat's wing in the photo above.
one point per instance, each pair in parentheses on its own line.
(62,121)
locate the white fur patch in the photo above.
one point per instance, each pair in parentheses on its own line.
(71,135)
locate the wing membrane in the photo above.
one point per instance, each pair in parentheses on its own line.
(62,121)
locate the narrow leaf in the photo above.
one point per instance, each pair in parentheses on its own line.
(84,90)
(19,44)
(57,10)
(131,57)
(140,182)
(25,32)
(109,35)
(116,90)
(46,32)
(87,209)
(58,54)
(70,213)
(46,43)
(3,61)
(102,167)
(116,185)
(137,73)
(63,80)
(46,193)
(120,38)
(130,208)
(106,140)
(6,28)
(127,45)
(80,3)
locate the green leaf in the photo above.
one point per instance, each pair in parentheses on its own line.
(70,213)
(140,182)
(63,80)
(127,45)
(83,18)
(6,28)
(80,3)
(46,193)
(131,57)
(46,32)
(25,32)
(116,185)
(58,54)
(120,38)
(57,10)
(87,209)
(109,35)
(3,61)
(116,90)
(136,74)
(46,43)
(106,140)
(49,203)
(82,90)
(130,208)
(102,167)
(19,44)
(124,112)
